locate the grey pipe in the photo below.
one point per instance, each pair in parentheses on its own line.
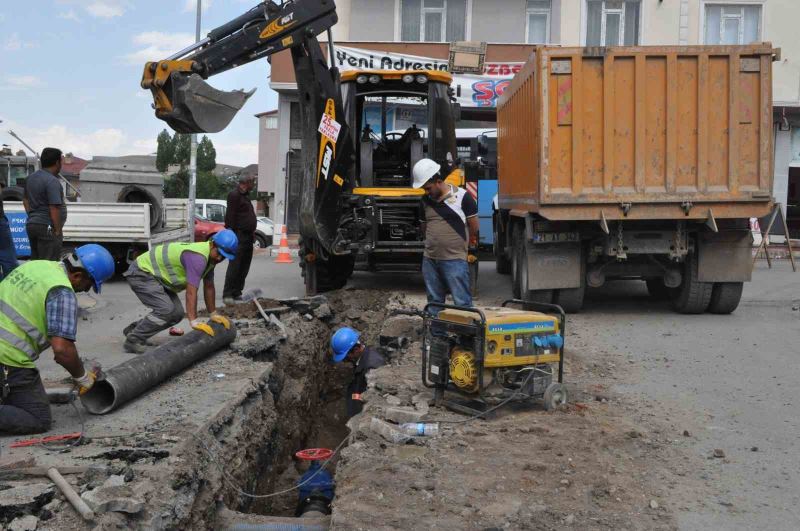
(132,378)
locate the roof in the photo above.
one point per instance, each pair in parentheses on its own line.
(267,113)
(250,169)
(225,170)
(73,165)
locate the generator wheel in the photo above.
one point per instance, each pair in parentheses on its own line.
(657,289)
(693,296)
(555,395)
(725,297)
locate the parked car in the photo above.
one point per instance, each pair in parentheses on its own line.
(204,229)
(211,209)
(265,232)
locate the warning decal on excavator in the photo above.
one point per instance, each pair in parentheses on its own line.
(277,26)
(329,127)
(338,180)
(327,145)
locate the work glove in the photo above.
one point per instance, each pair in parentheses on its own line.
(221,319)
(197,324)
(85,382)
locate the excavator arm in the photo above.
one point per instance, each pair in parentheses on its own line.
(188,104)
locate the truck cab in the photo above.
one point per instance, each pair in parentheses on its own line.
(397,118)
(14,169)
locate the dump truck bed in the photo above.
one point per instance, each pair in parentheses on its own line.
(656,132)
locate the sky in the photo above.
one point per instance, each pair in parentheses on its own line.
(70,73)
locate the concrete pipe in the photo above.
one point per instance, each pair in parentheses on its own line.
(131,379)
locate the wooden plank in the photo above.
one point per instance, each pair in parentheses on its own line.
(765,129)
(608,123)
(577,124)
(672,122)
(702,123)
(733,123)
(640,90)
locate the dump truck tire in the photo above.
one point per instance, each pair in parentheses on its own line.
(570,299)
(693,296)
(517,263)
(725,297)
(501,260)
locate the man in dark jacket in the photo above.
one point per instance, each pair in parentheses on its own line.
(346,345)
(8,254)
(240,217)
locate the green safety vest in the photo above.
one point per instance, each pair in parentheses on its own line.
(164,262)
(23,312)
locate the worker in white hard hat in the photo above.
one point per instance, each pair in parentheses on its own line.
(450,224)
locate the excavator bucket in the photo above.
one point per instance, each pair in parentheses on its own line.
(197,107)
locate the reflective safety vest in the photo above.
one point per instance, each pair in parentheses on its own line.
(164,262)
(23,312)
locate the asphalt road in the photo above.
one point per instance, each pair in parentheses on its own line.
(731,381)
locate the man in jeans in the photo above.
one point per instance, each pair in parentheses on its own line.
(446,214)
(47,211)
(240,217)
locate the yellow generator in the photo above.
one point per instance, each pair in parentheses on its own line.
(491,356)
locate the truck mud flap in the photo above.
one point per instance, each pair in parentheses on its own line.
(554,266)
(725,256)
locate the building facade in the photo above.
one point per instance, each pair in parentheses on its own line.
(424,27)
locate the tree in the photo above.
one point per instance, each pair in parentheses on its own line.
(176,149)
(206,155)
(165,153)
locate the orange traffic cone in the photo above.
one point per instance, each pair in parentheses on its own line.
(284,257)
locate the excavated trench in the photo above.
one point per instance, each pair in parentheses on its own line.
(299,403)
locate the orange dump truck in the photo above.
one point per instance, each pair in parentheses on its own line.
(642,162)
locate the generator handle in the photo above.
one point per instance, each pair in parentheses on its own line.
(547,307)
(444,306)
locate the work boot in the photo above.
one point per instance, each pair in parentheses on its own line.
(229,301)
(134,347)
(128,329)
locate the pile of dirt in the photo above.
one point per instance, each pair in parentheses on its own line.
(587,465)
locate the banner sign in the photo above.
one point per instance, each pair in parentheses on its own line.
(471,90)
(16,222)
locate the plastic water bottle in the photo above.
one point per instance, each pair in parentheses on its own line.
(420,429)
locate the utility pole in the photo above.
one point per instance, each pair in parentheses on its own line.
(193,151)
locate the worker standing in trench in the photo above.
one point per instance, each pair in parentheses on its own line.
(346,345)
(156,277)
(38,308)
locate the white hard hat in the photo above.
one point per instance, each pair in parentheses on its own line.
(423,171)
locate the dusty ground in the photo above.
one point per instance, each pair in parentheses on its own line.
(725,381)
(587,466)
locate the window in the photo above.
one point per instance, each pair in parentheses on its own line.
(271,122)
(433,20)
(612,22)
(215,213)
(733,23)
(538,22)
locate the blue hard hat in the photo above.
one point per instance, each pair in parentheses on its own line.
(97,261)
(342,341)
(227,243)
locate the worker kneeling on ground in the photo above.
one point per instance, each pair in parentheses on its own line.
(346,345)
(157,276)
(38,308)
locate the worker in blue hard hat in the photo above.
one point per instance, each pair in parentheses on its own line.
(39,309)
(157,276)
(346,345)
